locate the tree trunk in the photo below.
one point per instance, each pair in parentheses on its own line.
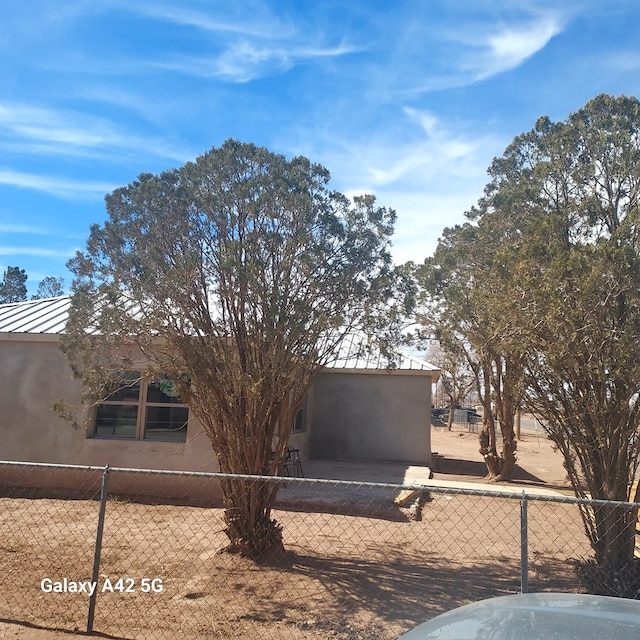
(615,571)
(611,529)
(616,528)
(506,375)
(487,436)
(450,417)
(614,537)
(247,515)
(509,446)
(488,450)
(251,530)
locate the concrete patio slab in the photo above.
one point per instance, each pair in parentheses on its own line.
(357,498)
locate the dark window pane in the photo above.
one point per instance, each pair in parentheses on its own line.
(163,390)
(116,420)
(166,423)
(299,423)
(125,387)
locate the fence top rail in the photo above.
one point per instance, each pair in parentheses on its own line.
(431,486)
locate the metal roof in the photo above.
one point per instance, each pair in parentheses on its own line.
(49,316)
(352,354)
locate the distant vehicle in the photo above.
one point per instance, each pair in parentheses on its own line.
(536,616)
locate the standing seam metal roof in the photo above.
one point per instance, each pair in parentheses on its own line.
(352,355)
(49,316)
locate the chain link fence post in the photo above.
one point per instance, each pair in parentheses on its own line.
(524,546)
(98,549)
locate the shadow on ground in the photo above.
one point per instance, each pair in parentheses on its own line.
(446,466)
(44,632)
(397,592)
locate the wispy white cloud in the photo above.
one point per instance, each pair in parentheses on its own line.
(28,122)
(435,153)
(267,26)
(244,61)
(27,229)
(249,41)
(131,101)
(477,49)
(509,47)
(40,252)
(29,129)
(439,151)
(60,187)
(430,170)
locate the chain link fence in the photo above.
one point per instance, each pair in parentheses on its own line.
(362,560)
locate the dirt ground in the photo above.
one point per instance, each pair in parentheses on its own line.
(345,575)
(538,463)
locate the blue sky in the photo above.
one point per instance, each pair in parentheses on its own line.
(409,100)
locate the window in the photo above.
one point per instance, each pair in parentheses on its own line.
(300,420)
(142,409)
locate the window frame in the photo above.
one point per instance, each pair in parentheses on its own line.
(303,413)
(142,404)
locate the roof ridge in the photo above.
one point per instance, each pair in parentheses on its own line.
(32,301)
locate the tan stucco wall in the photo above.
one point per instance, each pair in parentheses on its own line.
(359,416)
(34,376)
(371,416)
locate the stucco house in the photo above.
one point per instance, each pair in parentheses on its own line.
(357,409)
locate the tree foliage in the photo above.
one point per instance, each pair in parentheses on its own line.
(238,275)
(559,271)
(583,329)
(467,289)
(13,287)
(49,287)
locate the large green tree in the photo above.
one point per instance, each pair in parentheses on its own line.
(581,269)
(238,275)
(563,207)
(13,287)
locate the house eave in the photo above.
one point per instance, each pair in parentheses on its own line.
(14,336)
(433,373)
